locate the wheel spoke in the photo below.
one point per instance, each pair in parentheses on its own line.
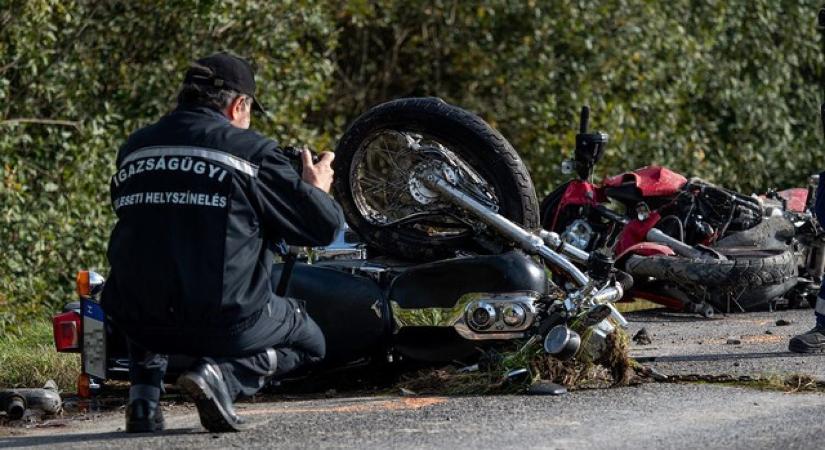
(382,186)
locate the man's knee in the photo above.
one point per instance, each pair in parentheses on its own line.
(315,344)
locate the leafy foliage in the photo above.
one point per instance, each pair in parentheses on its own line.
(726,90)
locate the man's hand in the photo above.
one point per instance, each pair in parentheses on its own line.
(320,174)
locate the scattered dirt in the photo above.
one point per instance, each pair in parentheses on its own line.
(762,338)
(783,322)
(377,405)
(642,338)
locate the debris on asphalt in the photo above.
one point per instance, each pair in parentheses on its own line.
(517,375)
(642,338)
(783,322)
(16,403)
(546,388)
(470,368)
(768,332)
(407,392)
(513,370)
(734,341)
(649,371)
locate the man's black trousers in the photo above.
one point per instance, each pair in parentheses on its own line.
(302,343)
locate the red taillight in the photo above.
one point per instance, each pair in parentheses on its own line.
(67,329)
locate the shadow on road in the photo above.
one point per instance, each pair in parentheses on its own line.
(720,356)
(112,436)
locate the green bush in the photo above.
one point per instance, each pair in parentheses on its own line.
(30,360)
(104,69)
(726,90)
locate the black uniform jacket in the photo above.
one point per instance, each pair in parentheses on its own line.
(198,203)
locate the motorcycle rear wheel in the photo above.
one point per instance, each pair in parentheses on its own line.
(373,168)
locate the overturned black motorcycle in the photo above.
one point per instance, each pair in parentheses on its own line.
(453,257)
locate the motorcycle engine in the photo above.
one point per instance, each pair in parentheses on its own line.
(578,234)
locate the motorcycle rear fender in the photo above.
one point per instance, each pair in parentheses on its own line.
(441,284)
(635,232)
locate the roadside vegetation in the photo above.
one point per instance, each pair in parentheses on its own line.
(788,383)
(725,90)
(28,359)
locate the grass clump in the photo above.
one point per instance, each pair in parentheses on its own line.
(29,359)
(612,366)
(787,383)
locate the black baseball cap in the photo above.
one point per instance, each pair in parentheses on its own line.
(224,70)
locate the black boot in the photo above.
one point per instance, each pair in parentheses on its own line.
(811,342)
(205,385)
(143,418)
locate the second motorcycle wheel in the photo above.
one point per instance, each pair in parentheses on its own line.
(379,156)
(751,277)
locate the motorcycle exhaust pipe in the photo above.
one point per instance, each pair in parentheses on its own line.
(13,404)
(16,401)
(527,241)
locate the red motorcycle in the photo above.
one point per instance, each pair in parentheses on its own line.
(690,245)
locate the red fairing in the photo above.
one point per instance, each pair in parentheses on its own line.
(652,181)
(578,193)
(796,198)
(647,249)
(635,232)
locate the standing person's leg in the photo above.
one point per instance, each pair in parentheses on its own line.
(146,372)
(812,341)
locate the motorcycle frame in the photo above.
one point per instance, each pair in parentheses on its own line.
(588,294)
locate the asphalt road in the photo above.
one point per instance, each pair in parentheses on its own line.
(648,416)
(686,344)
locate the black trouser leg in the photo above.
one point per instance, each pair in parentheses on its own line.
(146,371)
(303,344)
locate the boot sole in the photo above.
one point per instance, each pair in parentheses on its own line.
(212,414)
(799,348)
(144,427)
